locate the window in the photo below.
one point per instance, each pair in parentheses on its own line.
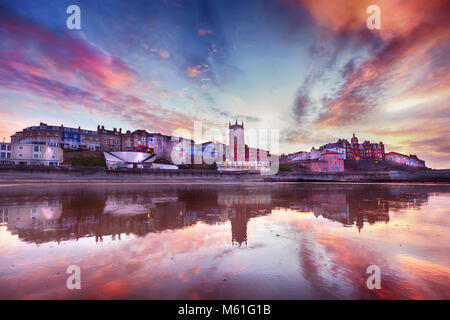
(20,147)
(35,156)
(3,146)
(36,148)
(20,155)
(3,155)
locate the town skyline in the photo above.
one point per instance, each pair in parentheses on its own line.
(312,70)
(83,141)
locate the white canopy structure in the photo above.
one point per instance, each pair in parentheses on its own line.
(113,159)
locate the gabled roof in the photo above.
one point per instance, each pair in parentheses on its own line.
(140,131)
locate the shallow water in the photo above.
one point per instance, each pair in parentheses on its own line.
(256,241)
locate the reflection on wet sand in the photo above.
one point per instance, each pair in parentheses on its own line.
(83,212)
(280,241)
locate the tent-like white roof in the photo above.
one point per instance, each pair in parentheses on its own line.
(129,157)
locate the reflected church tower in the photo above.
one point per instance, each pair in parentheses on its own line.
(239,221)
(239,208)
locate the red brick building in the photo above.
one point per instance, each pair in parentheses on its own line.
(359,151)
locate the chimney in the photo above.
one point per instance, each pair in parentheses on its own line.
(120,130)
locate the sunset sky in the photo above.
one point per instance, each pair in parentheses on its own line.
(311,69)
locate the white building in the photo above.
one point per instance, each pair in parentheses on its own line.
(35,154)
(132,159)
(5,153)
(299,156)
(333,148)
(315,154)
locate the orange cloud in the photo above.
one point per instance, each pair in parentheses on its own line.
(194,71)
(350,15)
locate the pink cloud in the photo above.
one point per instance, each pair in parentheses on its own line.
(163,53)
(78,74)
(202,32)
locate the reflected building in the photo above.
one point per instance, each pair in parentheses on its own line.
(239,208)
(24,219)
(70,213)
(345,206)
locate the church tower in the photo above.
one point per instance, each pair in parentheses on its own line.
(236,142)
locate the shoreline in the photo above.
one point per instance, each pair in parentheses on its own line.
(38,181)
(77,175)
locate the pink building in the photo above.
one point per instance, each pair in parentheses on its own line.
(329,162)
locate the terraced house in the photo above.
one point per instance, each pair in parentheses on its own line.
(401,159)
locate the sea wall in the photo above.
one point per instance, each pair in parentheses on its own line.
(87,174)
(367,176)
(11,174)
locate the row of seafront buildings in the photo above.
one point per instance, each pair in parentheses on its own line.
(43,144)
(51,139)
(96,140)
(330,157)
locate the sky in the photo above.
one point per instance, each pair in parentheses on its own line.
(310,70)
